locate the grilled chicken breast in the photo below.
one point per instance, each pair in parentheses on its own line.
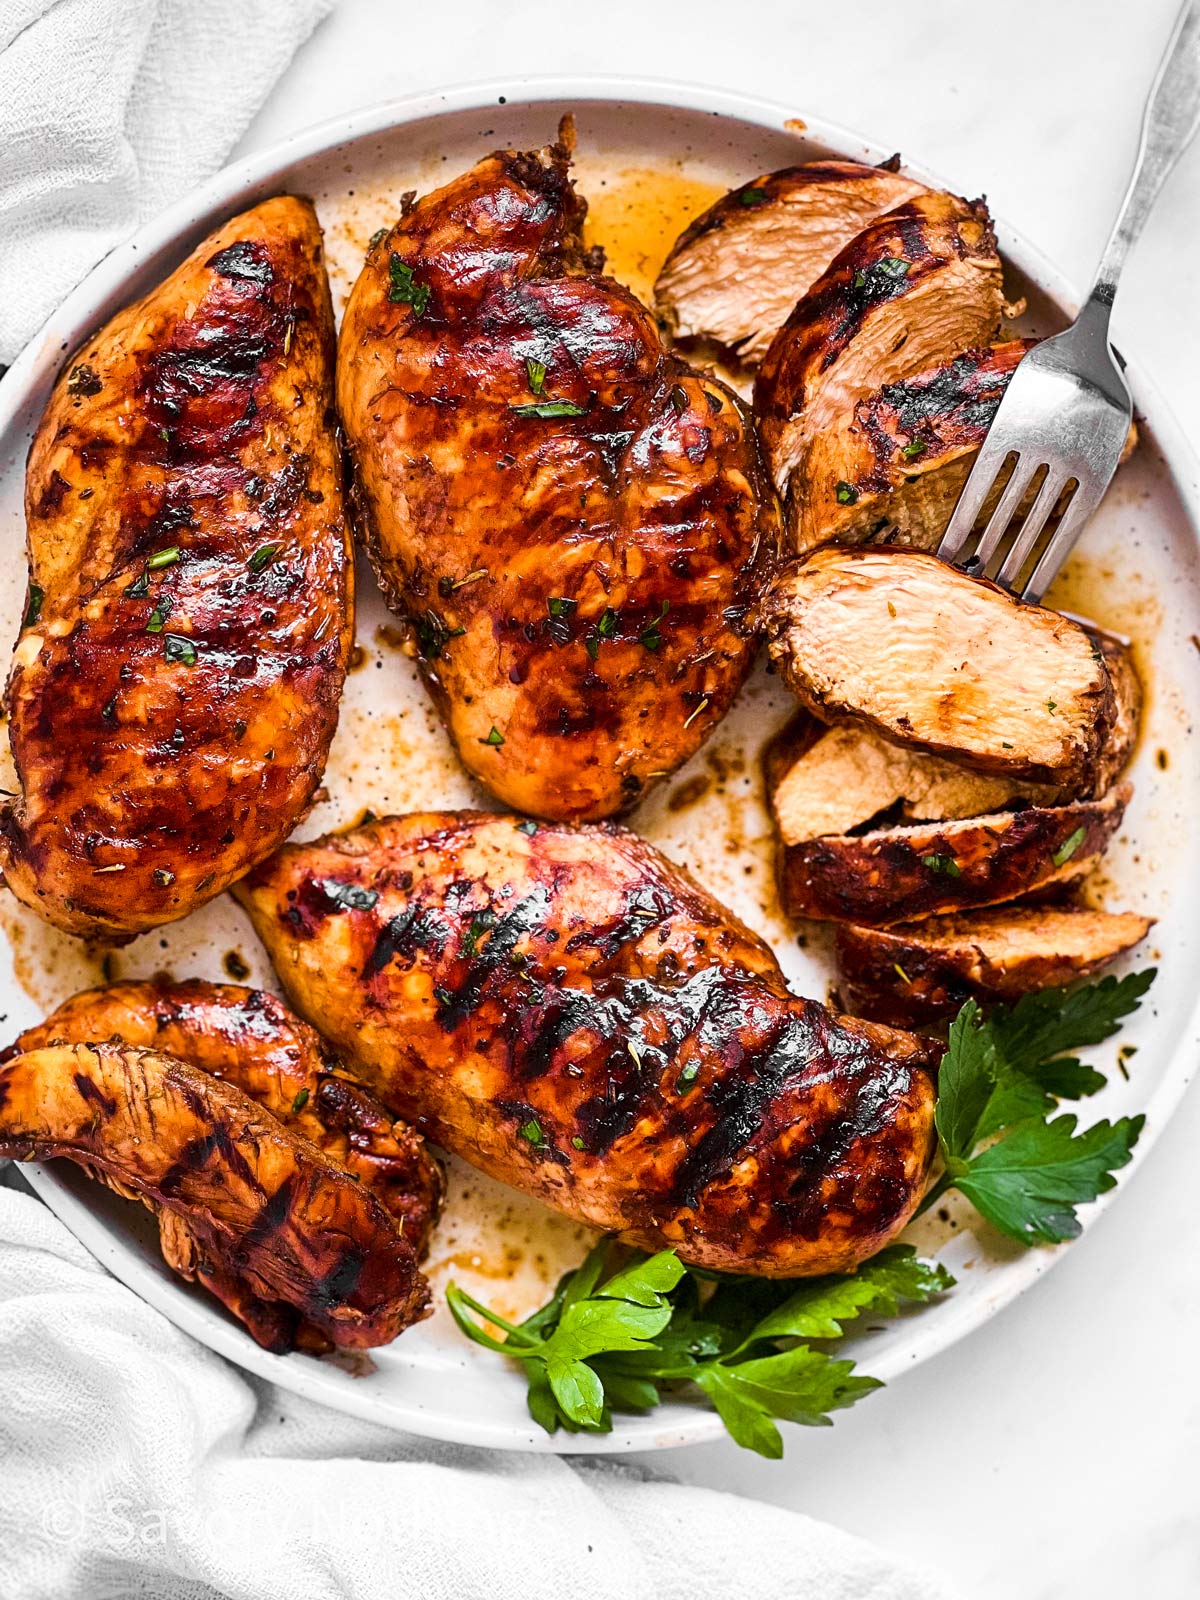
(915,287)
(938,660)
(251,1040)
(573,521)
(176,682)
(734,275)
(262,1206)
(922,972)
(572,1014)
(895,874)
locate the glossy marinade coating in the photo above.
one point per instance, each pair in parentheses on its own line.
(252,1041)
(176,681)
(265,1207)
(572,520)
(571,1013)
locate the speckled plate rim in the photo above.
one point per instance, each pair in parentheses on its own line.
(29,378)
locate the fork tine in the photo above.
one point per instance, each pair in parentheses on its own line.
(1083,502)
(974,492)
(1047,497)
(1015,490)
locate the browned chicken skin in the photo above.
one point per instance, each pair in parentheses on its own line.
(261,1205)
(571,1013)
(572,519)
(176,682)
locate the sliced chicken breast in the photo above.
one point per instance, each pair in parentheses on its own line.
(834,779)
(736,272)
(913,288)
(940,661)
(922,972)
(892,875)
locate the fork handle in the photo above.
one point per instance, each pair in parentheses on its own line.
(1170,120)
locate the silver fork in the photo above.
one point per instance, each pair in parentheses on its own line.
(1067,409)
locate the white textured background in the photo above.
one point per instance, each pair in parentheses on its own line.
(1057,1452)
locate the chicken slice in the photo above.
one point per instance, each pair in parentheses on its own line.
(251,1040)
(922,972)
(896,874)
(834,779)
(572,520)
(189,621)
(262,1205)
(915,287)
(891,471)
(735,273)
(938,660)
(572,1014)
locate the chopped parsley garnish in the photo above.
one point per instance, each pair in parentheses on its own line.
(914,448)
(577,1143)
(404,288)
(559,606)
(946,865)
(847,494)
(482,922)
(650,638)
(159,615)
(752,196)
(549,408)
(1051,706)
(347,896)
(140,587)
(532,1130)
(528,826)
(1068,847)
(301,1100)
(605,628)
(163,558)
(433,635)
(688,1074)
(33,610)
(177,647)
(892,267)
(495,738)
(535,373)
(377,237)
(262,557)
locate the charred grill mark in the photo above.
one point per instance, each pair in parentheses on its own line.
(340,1282)
(645,908)
(247,260)
(270,1219)
(94,1095)
(412,930)
(496,954)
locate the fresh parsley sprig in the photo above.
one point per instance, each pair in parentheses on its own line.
(619,1328)
(1023,1168)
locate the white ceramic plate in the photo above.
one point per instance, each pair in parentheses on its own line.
(650,156)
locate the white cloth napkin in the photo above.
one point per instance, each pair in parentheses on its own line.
(109,109)
(135,1462)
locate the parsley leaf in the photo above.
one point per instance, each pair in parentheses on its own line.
(404,289)
(999,1083)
